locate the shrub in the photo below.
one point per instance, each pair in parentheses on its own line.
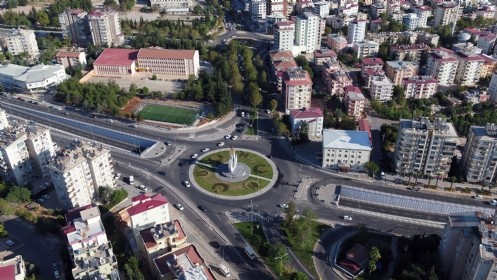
(260,168)
(220,187)
(466,190)
(251,185)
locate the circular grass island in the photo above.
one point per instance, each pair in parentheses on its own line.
(208,176)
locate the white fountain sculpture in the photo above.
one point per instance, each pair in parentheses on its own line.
(233,161)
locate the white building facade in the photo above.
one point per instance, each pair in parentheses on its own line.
(307,37)
(356,31)
(284,35)
(105,28)
(381,88)
(345,149)
(22,41)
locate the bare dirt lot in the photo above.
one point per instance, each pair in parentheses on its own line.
(162,84)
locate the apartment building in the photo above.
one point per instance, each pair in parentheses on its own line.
(381,88)
(374,63)
(4,123)
(410,21)
(312,117)
(161,239)
(13,268)
(258,9)
(147,211)
(336,81)
(105,28)
(78,171)
(469,68)
(284,35)
(445,14)
(277,7)
(323,55)
(176,63)
(423,13)
(177,264)
(172,4)
(354,101)
(486,42)
(336,42)
(71,59)
(479,161)
(15,164)
(442,65)
(89,248)
(307,33)
(74,24)
(468,247)
(280,63)
(398,70)
(419,87)
(40,148)
(365,49)
(425,146)
(348,9)
(297,89)
(322,9)
(22,41)
(356,31)
(411,52)
(492,87)
(489,65)
(345,149)
(377,8)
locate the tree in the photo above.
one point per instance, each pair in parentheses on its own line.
(298,275)
(23,2)
(304,132)
(42,18)
(6,208)
(11,4)
(374,256)
(118,196)
(452,180)
(3,231)
(132,269)
(105,194)
(154,77)
(372,166)
(18,195)
(255,96)
(273,104)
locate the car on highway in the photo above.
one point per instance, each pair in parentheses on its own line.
(142,187)
(45,197)
(179,207)
(10,242)
(215,244)
(194,156)
(220,144)
(43,187)
(133,125)
(228,136)
(234,137)
(167,143)
(204,150)
(477,196)
(283,205)
(187,184)
(493,202)
(417,189)
(202,208)
(109,120)
(347,218)
(398,181)
(162,172)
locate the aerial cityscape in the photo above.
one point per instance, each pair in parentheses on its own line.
(248,139)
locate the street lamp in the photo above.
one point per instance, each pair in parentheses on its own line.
(281,262)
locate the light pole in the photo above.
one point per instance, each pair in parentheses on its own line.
(281,262)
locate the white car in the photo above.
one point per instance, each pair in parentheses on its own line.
(10,242)
(220,144)
(179,207)
(142,187)
(268,111)
(227,136)
(283,205)
(234,137)
(194,156)
(478,196)
(187,184)
(348,218)
(493,202)
(117,176)
(109,120)
(205,150)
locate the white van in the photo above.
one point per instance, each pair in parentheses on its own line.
(131,179)
(250,252)
(224,270)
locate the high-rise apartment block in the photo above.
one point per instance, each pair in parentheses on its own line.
(442,65)
(468,247)
(74,25)
(366,48)
(277,7)
(4,123)
(284,35)
(398,70)
(381,88)
(469,68)
(258,9)
(423,13)
(79,171)
(337,42)
(419,87)
(297,89)
(425,146)
(25,153)
(479,160)
(445,14)
(22,41)
(492,88)
(307,32)
(89,248)
(411,21)
(356,31)
(105,28)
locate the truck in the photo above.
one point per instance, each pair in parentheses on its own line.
(224,270)
(250,252)
(131,179)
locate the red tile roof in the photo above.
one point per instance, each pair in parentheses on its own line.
(116,57)
(281,55)
(166,54)
(372,61)
(352,89)
(8,272)
(147,204)
(285,64)
(191,253)
(327,53)
(313,112)
(306,80)
(285,23)
(140,197)
(67,54)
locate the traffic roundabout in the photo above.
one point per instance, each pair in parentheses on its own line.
(234,174)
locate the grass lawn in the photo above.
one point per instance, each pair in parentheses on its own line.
(305,254)
(257,164)
(169,114)
(207,179)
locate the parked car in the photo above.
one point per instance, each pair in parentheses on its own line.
(110,121)
(268,111)
(228,136)
(220,144)
(40,200)
(215,244)
(478,196)
(398,181)
(133,125)
(194,156)
(205,150)
(202,208)
(348,218)
(283,205)
(167,143)
(382,175)
(179,207)
(10,242)
(142,187)
(117,176)
(493,202)
(187,184)
(234,137)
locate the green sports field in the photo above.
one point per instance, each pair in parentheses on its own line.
(168,114)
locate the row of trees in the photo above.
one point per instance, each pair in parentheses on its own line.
(299,229)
